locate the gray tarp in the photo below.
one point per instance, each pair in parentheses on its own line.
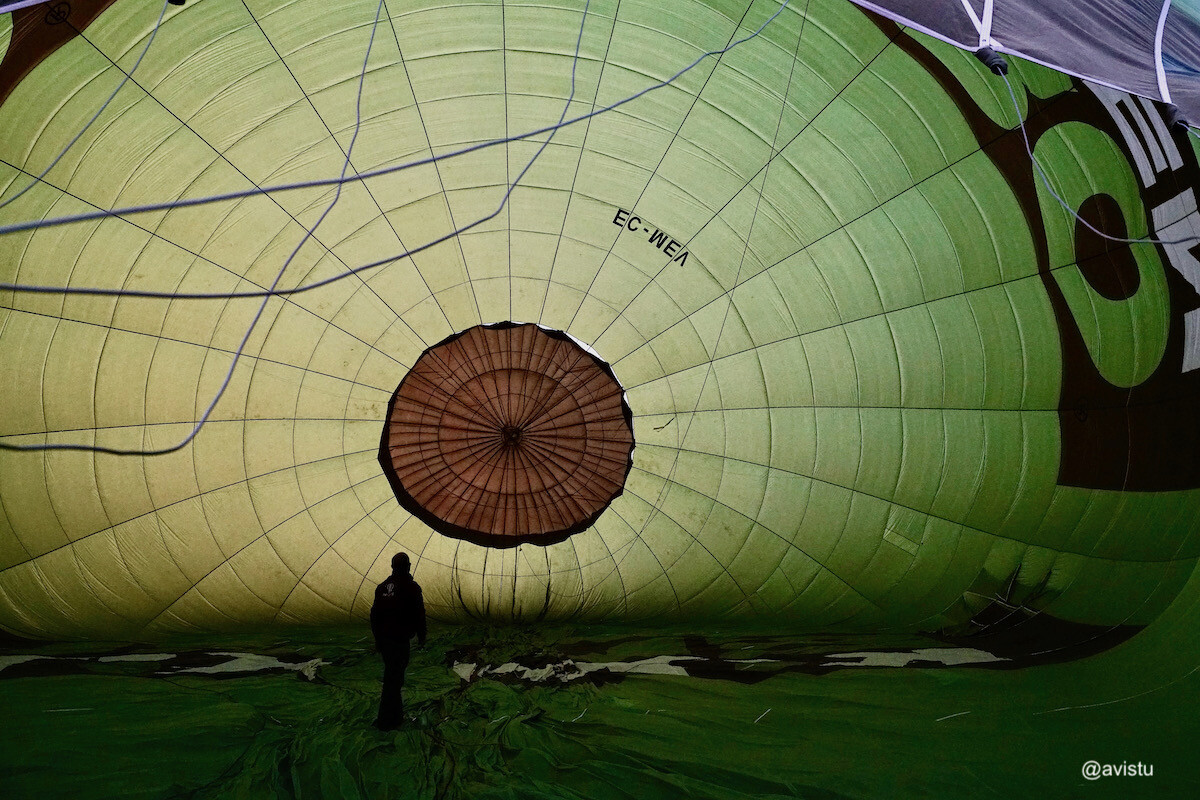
(1146,47)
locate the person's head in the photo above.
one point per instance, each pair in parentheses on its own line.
(400,562)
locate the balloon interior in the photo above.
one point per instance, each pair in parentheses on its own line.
(758,387)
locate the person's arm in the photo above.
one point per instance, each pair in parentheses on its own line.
(420,612)
(374,619)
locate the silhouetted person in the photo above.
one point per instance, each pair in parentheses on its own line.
(397,615)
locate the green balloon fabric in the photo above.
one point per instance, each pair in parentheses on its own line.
(5,33)
(879,377)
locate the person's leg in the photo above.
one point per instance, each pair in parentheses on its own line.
(391,701)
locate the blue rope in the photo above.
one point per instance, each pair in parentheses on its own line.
(274,291)
(262,307)
(217,198)
(1046,182)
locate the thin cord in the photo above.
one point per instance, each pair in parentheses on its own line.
(1046,182)
(96,116)
(362,176)
(262,307)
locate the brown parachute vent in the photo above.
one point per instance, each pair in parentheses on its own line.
(506,434)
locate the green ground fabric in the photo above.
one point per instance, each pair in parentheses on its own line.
(853,733)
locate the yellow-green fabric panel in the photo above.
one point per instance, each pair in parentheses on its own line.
(845,399)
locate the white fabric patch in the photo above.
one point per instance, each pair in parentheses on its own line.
(251,662)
